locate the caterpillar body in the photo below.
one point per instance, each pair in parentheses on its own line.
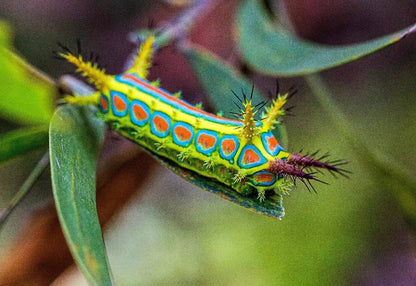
(242,154)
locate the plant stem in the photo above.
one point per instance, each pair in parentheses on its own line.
(178,28)
(25,188)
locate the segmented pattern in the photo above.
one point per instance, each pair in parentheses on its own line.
(243,153)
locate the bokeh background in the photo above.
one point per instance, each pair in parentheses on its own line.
(351,232)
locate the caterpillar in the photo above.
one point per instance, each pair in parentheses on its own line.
(240,153)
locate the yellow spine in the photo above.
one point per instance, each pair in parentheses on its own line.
(274,112)
(89,70)
(249,130)
(143,60)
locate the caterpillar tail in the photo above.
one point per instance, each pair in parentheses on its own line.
(296,164)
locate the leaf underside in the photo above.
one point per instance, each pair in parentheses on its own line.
(21,141)
(75,139)
(273,51)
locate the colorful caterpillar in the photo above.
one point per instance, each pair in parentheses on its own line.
(242,154)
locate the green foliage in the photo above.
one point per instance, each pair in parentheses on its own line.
(26,94)
(26,98)
(286,55)
(76,135)
(271,207)
(272,50)
(21,141)
(75,139)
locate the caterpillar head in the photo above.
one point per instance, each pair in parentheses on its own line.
(267,167)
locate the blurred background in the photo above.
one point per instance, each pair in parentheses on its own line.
(351,232)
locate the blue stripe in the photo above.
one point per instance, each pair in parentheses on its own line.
(174,104)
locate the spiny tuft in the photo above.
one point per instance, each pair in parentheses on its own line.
(273,112)
(87,69)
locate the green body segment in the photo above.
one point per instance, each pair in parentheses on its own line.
(210,145)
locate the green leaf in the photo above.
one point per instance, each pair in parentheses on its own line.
(271,206)
(273,51)
(21,141)
(219,79)
(75,140)
(5,33)
(26,95)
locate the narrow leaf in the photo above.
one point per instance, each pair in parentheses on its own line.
(26,95)
(75,139)
(24,189)
(271,206)
(273,51)
(21,141)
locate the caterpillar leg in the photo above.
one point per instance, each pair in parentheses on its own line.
(143,60)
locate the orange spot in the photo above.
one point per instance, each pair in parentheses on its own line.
(139,112)
(228,146)
(182,133)
(119,103)
(264,178)
(250,157)
(206,141)
(272,142)
(161,124)
(103,103)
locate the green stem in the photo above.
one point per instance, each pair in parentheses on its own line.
(25,188)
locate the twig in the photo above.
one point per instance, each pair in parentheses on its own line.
(178,28)
(25,188)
